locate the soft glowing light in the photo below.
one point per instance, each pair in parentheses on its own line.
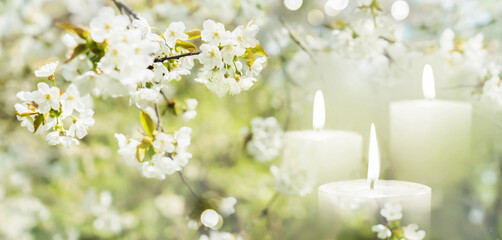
(293,5)
(428,83)
(338,4)
(319,116)
(329,10)
(315,17)
(400,10)
(373,157)
(211,219)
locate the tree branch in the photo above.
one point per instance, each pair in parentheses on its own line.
(124,9)
(162,59)
(264,212)
(188,185)
(297,40)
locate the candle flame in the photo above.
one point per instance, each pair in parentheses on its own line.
(428,83)
(373,157)
(318,118)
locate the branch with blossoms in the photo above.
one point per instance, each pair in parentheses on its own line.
(124,56)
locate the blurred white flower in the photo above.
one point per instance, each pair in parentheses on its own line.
(266,139)
(164,142)
(227,206)
(382,231)
(215,235)
(292,180)
(392,211)
(158,167)
(47,69)
(106,24)
(190,112)
(411,232)
(127,148)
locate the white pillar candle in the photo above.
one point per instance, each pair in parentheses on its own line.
(326,155)
(352,208)
(429,136)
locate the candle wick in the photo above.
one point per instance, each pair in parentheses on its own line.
(372,185)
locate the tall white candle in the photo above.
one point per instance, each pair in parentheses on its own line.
(327,155)
(428,136)
(356,206)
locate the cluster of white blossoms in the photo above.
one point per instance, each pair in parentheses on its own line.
(216,235)
(106,218)
(292,180)
(266,139)
(229,64)
(131,58)
(167,152)
(393,213)
(63,116)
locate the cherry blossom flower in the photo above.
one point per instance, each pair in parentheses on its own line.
(106,24)
(227,206)
(164,143)
(175,31)
(79,128)
(213,32)
(382,231)
(210,56)
(411,232)
(392,211)
(46,97)
(71,100)
(266,141)
(127,148)
(47,70)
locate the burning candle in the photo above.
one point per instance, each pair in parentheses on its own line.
(350,205)
(428,135)
(326,155)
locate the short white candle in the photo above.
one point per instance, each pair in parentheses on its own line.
(347,204)
(428,136)
(327,155)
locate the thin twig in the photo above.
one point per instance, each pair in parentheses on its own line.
(162,59)
(264,212)
(297,40)
(124,9)
(159,122)
(188,185)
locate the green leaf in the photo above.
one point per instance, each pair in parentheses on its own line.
(249,56)
(258,50)
(193,34)
(39,119)
(77,51)
(186,45)
(147,122)
(79,31)
(140,153)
